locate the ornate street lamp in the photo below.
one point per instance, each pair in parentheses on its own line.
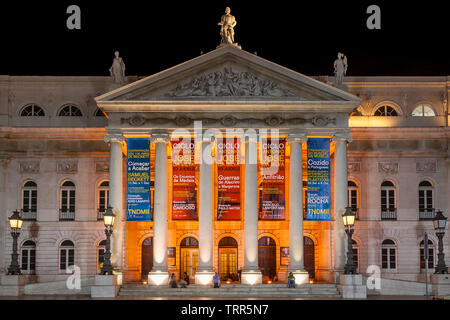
(439,226)
(349,221)
(15,222)
(108,219)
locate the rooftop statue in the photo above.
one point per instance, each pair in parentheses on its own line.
(227,23)
(117,69)
(340,69)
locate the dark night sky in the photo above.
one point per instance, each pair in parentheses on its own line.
(154,35)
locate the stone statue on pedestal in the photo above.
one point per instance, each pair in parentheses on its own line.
(340,69)
(227,23)
(117,69)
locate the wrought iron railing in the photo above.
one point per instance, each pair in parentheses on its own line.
(100,212)
(29,214)
(426,214)
(66,214)
(389,214)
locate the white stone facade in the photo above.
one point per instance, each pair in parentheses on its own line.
(50,150)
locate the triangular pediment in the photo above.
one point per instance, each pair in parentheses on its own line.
(227,74)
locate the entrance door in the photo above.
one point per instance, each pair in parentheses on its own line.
(189,258)
(189,262)
(227,262)
(228,258)
(267,256)
(147,258)
(308,247)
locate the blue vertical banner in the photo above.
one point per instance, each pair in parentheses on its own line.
(138,179)
(318,192)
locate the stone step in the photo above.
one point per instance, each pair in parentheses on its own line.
(274,291)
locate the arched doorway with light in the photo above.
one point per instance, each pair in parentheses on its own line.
(147,258)
(267,258)
(228,255)
(308,253)
(189,257)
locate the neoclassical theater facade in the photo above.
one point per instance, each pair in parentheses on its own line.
(63,159)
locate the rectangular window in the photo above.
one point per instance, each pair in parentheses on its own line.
(383,200)
(24,259)
(63,259)
(32,259)
(384,258)
(392,258)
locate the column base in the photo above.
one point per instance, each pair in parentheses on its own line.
(301,276)
(351,286)
(251,277)
(106,286)
(204,277)
(158,278)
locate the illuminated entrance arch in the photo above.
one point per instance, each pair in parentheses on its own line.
(308,251)
(228,251)
(147,258)
(189,257)
(267,257)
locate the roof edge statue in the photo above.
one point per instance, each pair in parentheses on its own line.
(227,24)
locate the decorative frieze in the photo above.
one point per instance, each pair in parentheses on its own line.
(102,166)
(68,166)
(388,167)
(228,83)
(228,121)
(354,166)
(29,166)
(426,166)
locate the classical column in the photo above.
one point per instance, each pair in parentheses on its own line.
(296,255)
(4,161)
(116,197)
(159,275)
(205,272)
(340,198)
(251,273)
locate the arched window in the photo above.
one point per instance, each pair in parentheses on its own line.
(99,113)
(103,199)
(388,201)
(355,251)
(28,256)
(189,242)
(423,111)
(386,111)
(29,201)
(67,209)
(430,254)
(426,210)
(388,255)
(32,110)
(353,196)
(70,111)
(101,253)
(66,255)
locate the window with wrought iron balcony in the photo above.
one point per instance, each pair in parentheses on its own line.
(67,213)
(100,212)
(426,213)
(388,213)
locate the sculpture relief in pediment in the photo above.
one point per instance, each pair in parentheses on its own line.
(227,82)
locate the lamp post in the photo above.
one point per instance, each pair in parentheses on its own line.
(108,219)
(15,222)
(349,221)
(440,222)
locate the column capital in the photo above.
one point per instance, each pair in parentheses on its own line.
(249,138)
(160,137)
(115,137)
(340,137)
(297,137)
